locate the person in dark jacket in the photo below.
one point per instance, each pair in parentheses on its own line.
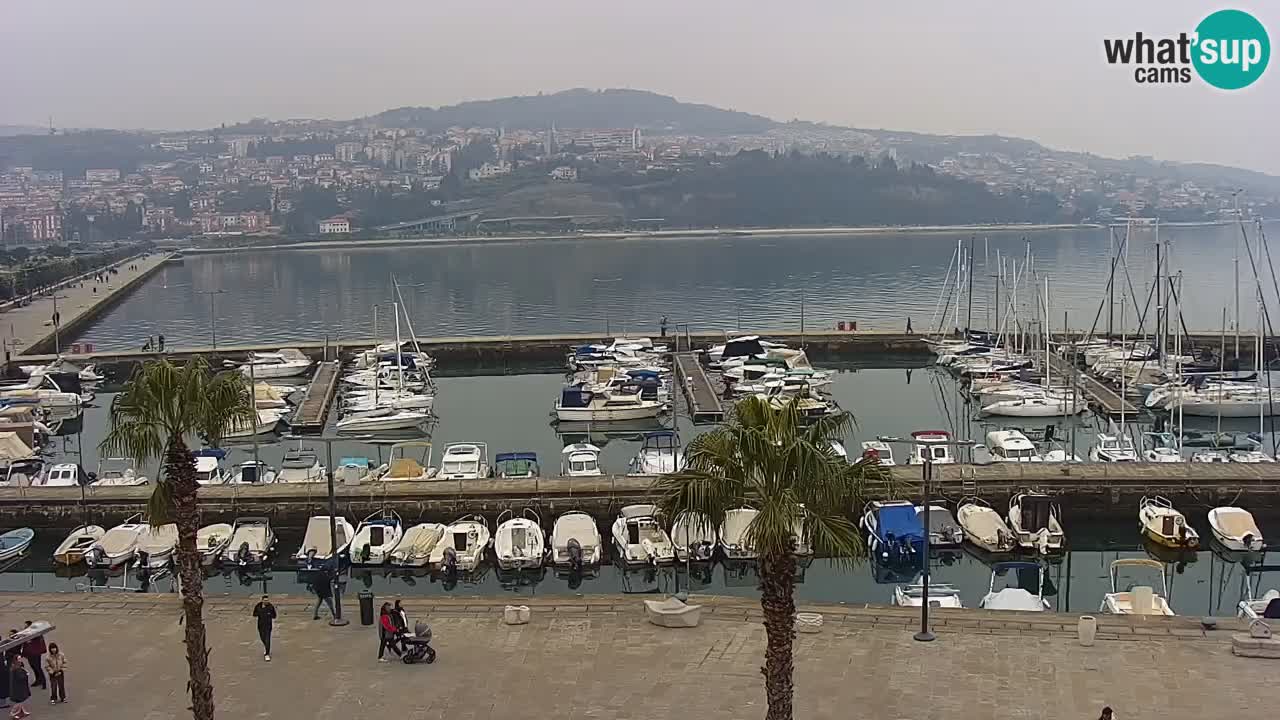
(265,612)
(324,593)
(19,689)
(33,651)
(4,680)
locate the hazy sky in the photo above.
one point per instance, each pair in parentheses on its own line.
(1030,69)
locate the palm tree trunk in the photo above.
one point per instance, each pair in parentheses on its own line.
(777,583)
(181,472)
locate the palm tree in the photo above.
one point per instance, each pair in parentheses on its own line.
(161,406)
(768,459)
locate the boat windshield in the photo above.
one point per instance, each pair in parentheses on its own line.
(583,464)
(454,467)
(1015,453)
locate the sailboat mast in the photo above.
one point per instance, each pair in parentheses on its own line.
(1222,369)
(968,321)
(399,358)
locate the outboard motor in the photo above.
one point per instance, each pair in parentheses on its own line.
(574,549)
(95,557)
(243,555)
(450,561)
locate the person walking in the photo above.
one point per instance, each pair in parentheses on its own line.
(55,663)
(19,690)
(4,680)
(400,618)
(33,651)
(265,612)
(324,593)
(387,633)
(1106,714)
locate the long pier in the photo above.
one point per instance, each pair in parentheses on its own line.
(704,402)
(314,408)
(1102,397)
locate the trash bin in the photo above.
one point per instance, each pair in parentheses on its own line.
(366,607)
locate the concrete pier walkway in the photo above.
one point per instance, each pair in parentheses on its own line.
(596,657)
(26,329)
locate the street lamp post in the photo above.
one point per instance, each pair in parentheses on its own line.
(213,326)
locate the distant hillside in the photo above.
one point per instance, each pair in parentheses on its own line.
(581,108)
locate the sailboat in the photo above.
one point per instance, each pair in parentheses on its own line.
(400,412)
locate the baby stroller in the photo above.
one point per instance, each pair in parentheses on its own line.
(417,647)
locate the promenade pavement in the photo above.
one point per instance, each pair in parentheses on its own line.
(25,326)
(596,657)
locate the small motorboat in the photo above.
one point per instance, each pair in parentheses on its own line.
(209,469)
(212,541)
(984,527)
(516,465)
(72,549)
(1113,448)
(519,542)
(895,535)
(932,445)
(1139,599)
(251,473)
(63,475)
(944,531)
(465,461)
(694,537)
(356,470)
(1236,529)
(1266,607)
(415,547)
(940,595)
(117,546)
(318,540)
(251,541)
(575,541)
(1159,521)
(264,423)
(578,402)
(580,460)
(300,466)
(156,544)
(659,454)
(1015,596)
(463,546)
(118,471)
(404,468)
(15,542)
(288,362)
(878,451)
(1035,520)
(733,534)
(376,537)
(382,418)
(639,539)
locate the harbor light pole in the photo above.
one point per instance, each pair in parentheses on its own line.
(926,477)
(338,620)
(213,319)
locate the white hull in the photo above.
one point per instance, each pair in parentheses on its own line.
(396,421)
(519,545)
(1034,407)
(1248,409)
(267,371)
(648,410)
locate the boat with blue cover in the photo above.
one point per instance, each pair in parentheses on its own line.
(516,465)
(895,535)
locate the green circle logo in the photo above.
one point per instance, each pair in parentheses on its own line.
(1232,49)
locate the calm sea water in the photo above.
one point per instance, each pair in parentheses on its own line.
(511,413)
(628,285)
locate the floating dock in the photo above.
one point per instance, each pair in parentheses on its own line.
(1103,398)
(314,408)
(704,401)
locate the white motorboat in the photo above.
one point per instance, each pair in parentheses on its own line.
(928,447)
(575,541)
(1140,599)
(519,542)
(944,531)
(639,539)
(1210,455)
(209,470)
(251,541)
(580,460)
(376,538)
(63,475)
(465,461)
(212,541)
(117,546)
(1047,406)
(118,471)
(300,466)
(1266,607)
(1035,520)
(251,473)
(984,527)
(1235,529)
(387,377)
(1162,448)
(407,467)
(415,547)
(288,362)
(265,423)
(941,595)
(72,549)
(733,534)
(318,540)
(269,397)
(1113,448)
(694,537)
(1159,521)
(365,401)
(382,418)
(15,542)
(659,454)
(1011,446)
(878,450)
(463,546)
(581,404)
(156,544)
(1249,456)
(1015,596)
(356,470)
